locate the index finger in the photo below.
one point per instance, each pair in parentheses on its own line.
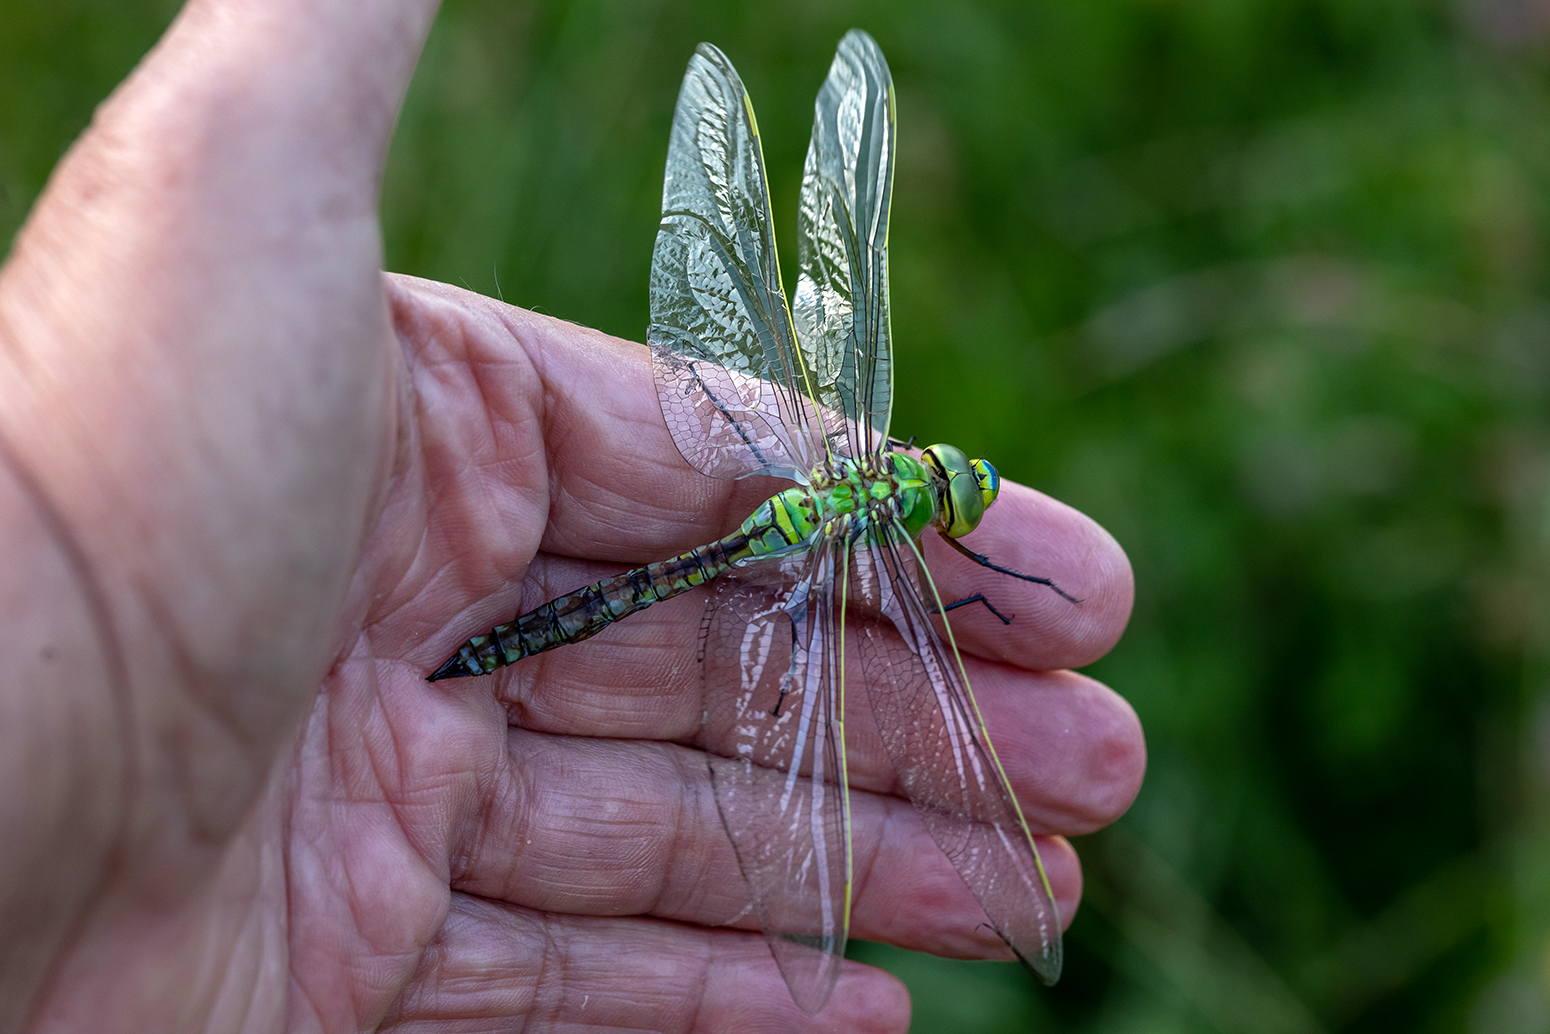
(521,415)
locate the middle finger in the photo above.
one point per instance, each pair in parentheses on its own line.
(596,827)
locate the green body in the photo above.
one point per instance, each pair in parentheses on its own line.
(785,523)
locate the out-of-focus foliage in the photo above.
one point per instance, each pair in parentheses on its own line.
(1261,285)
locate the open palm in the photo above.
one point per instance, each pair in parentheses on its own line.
(252,491)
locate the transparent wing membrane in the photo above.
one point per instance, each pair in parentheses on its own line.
(748,385)
(774,723)
(728,372)
(841,303)
(936,738)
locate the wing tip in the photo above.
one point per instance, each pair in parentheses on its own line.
(860,43)
(1047,964)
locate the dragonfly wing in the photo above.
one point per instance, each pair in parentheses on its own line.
(841,304)
(936,738)
(723,348)
(775,743)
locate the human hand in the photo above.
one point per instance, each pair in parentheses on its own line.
(254,492)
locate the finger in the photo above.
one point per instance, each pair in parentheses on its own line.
(522,415)
(1073,748)
(1035,535)
(494,966)
(607,828)
(228,385)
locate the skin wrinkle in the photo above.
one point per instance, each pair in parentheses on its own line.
(872,849)
(481,823)
(399,809)
(708,952)
(616,511)
(202,822)
(552,418)
(406,402)
(652,424)
(497,426)
(647,898)
(693,805)
(301,991)
(525,357)
(551,951)
(527,794)
(698,1008)
(397,461)
(485,825)
(115,849)
(444,370)
(362,963)
(425,985)
(373,615)
(465,364)
(477,468)
(377,790)
(438,961)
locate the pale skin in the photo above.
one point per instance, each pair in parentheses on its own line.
(252,490)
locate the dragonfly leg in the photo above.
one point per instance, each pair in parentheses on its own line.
(785,685)
(984,561)
(785,681)
(978,597)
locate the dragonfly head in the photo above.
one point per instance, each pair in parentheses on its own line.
(963,487)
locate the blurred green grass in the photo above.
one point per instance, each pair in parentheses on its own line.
(1260,285)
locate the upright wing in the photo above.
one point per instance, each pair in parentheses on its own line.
(728,373)
(774,738)
(841,304)
(936,738)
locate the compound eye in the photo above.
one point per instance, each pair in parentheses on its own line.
(989,480)
(958,487)
(965,505)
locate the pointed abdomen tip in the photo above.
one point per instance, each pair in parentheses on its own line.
(454,668)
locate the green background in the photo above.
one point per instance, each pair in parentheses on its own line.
(1259,284)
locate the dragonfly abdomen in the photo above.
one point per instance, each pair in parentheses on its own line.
(780,524)
(583,613)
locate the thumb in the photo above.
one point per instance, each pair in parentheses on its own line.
(196,387)
(196,370)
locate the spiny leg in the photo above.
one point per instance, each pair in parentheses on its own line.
(978,597)
(984,561)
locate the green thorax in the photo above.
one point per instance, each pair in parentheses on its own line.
(853,494)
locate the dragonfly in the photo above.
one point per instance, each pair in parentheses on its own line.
(824,580)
